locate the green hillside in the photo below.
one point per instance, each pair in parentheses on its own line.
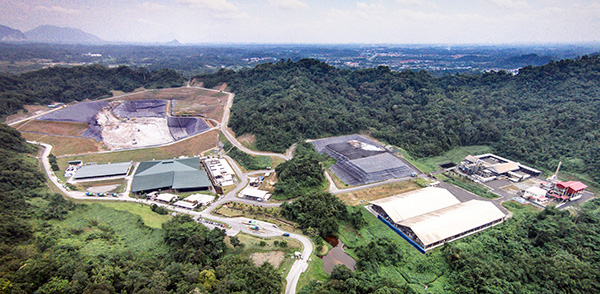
(541,116)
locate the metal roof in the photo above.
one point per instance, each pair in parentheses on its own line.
(379,162)
(174,173)
(102,170)
(502,168)
(574,185)
(254,192)
(453,220)
(407,205)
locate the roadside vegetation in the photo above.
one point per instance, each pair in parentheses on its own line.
(301,175)
(475,188)
(249,162)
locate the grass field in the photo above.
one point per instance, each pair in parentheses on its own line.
(315,272)
(150,218)
(54,127)
(456,155)
(252,245)
(366,195)
(190,147)
(65,145)
(417,269)
(101,230)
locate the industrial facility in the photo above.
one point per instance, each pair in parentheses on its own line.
(361,161)
(175,174)
(430,217)
(220,171)
(489,167)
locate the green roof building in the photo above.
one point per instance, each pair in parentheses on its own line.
(177,174)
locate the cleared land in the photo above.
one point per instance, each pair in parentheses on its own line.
(65,145)
(53,127)
(274,258)
(366,195)
(31,110)
(187,101)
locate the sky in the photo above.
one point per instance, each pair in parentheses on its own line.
(316,22)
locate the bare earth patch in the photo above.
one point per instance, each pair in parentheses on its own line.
(31,111)
(364,196)
(274,258)
(133,132)
(247,139)
(66,145)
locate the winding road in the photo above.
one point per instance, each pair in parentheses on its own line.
(236,225)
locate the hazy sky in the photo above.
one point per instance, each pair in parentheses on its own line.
(314,21)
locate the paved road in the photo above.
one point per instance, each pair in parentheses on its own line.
(236,225)
(287,156)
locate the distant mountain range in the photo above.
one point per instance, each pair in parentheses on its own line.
(49,34)
(8,34)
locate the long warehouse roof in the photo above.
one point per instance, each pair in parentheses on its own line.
(407,205)
(451,221)
(102,170)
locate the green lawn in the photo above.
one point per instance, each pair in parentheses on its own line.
(456,155)
(150,218)
(315,272)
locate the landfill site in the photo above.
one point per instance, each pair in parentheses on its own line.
(129,124)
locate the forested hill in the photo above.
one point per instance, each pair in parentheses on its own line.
(62,84)
(540,116)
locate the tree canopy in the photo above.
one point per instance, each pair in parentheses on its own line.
(542,115)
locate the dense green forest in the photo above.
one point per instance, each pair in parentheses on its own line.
(62,84)
(50,245)
(301,175)
(543,115)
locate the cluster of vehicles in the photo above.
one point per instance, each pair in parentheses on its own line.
(211,222)
(102,194)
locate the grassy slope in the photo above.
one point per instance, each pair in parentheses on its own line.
(417,269)
(98,229)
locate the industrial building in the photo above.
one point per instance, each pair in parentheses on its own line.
(174,174)
(254,194)
(429,217)
(568,191)
(220,171)
(102,171)
(361,161)
(489,167)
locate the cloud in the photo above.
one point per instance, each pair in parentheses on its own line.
(415,3)
(510,4)
(218,8)
(288,4)
(57,9)
(153,6)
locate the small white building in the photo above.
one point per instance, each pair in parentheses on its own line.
(201,199)
(536,194)
(185,204)
(166,197)
(254,194)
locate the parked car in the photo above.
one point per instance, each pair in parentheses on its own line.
(286,234)
(89,194)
